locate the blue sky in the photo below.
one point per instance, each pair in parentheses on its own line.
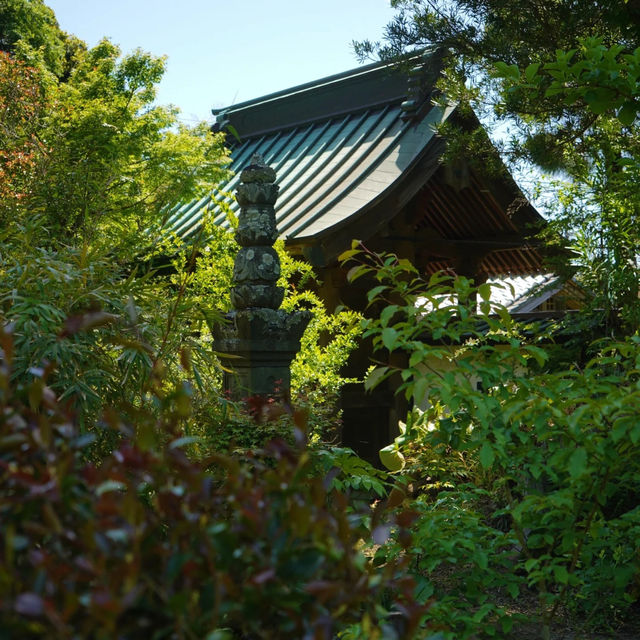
(221,53)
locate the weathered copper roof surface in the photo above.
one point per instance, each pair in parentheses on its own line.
(350,152)
(326,170)
(327,167)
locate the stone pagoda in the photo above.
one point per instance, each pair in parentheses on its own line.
(259,340)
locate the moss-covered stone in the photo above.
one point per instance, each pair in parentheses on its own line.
(259,340)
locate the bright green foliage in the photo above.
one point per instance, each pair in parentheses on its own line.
(42,293)
(30,28)
(88,166)
(603,77)
(104,327)
(325,345)
(147,543)
(103,161)
(113,161)
(212,280)
(527,476)
(351,473)
(598,206)
(324,349)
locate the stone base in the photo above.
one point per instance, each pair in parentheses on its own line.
(258,345)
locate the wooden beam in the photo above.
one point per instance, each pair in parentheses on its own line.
(495,242)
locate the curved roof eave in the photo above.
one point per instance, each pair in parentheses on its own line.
(324,246)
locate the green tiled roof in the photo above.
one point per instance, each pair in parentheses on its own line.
(338,146)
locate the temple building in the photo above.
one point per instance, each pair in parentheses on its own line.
(358,155)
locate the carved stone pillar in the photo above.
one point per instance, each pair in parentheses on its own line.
(259,340)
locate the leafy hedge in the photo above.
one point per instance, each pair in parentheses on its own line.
(149,543)
(525,473)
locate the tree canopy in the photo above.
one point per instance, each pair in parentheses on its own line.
(91,156)
(88,167)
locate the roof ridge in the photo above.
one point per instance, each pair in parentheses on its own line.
(306,86)
(371,86)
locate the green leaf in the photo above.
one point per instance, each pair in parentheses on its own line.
(232,130)
(416,357)
(482,559)
(485,291)
(578,463)
(419,390)
(507,71)
(628,112)
(561,574)
(487,455)
(387,314)
(356,272)
(350,253)
(539,354)
(375,377)
(406,265)
(506,623)
(554,90)
(600,100)
(482,612)
(389,338)
(621,428)
(391,458)
(531,71)
(372,294)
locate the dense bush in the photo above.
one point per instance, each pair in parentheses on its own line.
(526,477)
(148,543)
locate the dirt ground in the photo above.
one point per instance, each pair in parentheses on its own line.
(569,632)
(567,627)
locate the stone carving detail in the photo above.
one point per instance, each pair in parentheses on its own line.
(259,339)
(250,193)
(251,296)
(257,226)
(257,266)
